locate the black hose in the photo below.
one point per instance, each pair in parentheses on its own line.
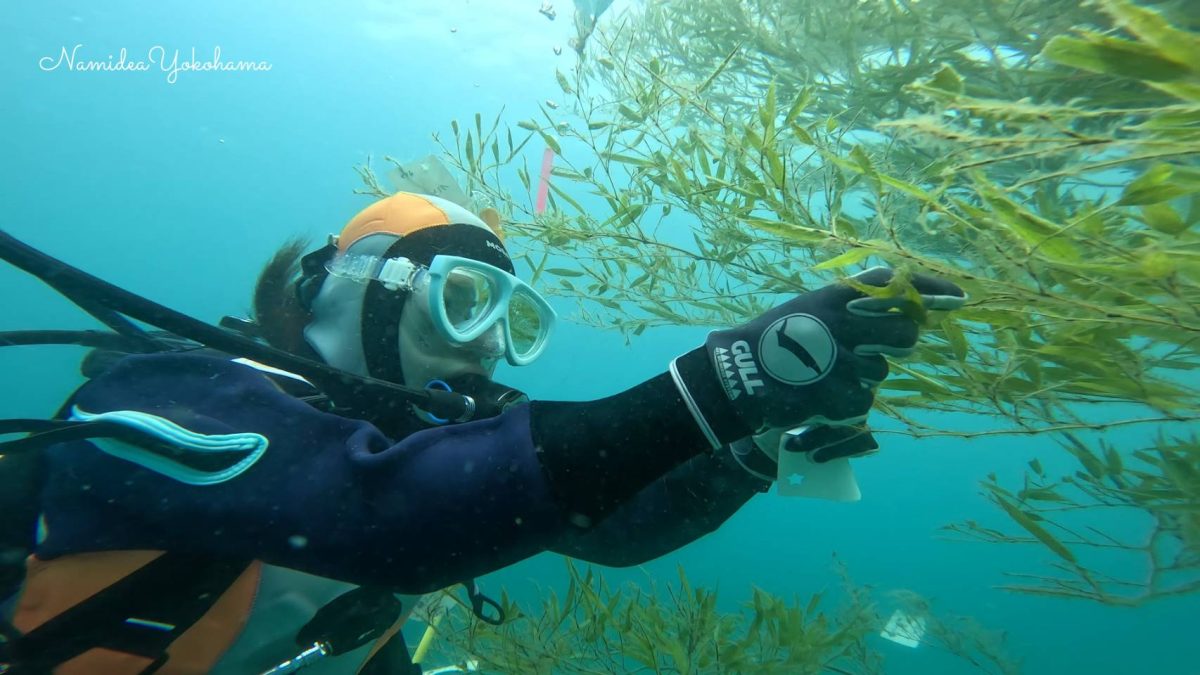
(85,338)
(366,395)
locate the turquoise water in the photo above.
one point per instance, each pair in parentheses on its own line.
(181,190)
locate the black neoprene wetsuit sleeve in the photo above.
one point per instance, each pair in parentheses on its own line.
(694,499)
(599,454)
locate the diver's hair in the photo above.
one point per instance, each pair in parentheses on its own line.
(280,316)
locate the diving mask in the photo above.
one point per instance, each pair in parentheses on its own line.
(464,299)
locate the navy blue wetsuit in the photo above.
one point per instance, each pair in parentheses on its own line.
(334,496)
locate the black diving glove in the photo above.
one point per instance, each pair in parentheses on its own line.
(814,360)
(759,454)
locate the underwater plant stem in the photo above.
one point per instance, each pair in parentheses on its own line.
(1110,312)
(930,432)
(1100,166)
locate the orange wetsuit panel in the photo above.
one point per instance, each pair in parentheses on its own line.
(53,586)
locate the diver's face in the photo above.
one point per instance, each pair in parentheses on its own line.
(425,355)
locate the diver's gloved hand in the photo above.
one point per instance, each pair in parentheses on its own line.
(823,443)
(814,360)
(759,454)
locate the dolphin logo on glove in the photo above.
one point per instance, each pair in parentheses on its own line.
(797,349)
(789,343)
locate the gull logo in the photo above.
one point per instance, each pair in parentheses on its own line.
(737,359)
(797,349)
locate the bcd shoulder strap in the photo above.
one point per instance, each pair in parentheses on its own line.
(141,614)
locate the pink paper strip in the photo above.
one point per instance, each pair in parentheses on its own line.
(544,181)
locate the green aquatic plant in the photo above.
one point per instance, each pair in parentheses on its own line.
(1158,486)
(710,192)
(677,628)
(715,155)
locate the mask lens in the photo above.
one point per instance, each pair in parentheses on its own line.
(525,323)
(467,297)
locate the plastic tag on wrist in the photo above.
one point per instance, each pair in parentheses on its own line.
(799,476)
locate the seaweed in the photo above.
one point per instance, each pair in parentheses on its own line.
(718,155)
(679,628)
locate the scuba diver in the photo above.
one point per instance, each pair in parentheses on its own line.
(275,493)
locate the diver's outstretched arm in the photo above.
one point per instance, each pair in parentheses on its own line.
(694,499)
(246,470)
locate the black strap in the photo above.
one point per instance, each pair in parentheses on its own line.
(479,602)
(141,614)
(313,273)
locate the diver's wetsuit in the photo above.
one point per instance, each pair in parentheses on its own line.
(334,497)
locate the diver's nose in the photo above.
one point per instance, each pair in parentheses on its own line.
(490,345)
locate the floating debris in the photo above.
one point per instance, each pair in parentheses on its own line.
(904,629)
(547,11)
(551,104)
(557,50)
(428,176)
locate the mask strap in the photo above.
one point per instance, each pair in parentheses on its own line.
(380,323)
(313,274)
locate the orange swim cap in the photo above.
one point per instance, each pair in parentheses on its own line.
(404,213)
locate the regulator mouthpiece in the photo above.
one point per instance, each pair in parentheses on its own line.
(491,397)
